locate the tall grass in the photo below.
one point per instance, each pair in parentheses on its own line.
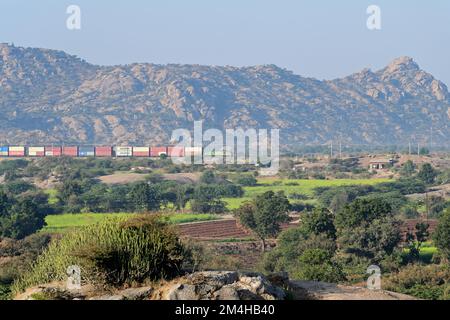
(113,252)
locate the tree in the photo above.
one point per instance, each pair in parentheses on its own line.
(362,211)
(320,221)
(23,216)
(442,235)
(145,197)
(415,240)
(427,174)
(317,265)
(367,228)
(208,177)
(206,199)
(408,169)
(265,214)
(246,180)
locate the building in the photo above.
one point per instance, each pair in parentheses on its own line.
(381,164)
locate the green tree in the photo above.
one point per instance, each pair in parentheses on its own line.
(246,180)
(206,199)
(366,228)
(208,177)
(442,235)
(416,240)
(408,169)
(320,221)
(23,216)
(145,197)
(427,174)
(317,265)
(265,214)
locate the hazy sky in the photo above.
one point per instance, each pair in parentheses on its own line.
(317,38)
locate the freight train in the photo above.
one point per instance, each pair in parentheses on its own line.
(98,151)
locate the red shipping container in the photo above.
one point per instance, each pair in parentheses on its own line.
(103,151)
(156,152)
(70,151)
(176,152)
(53,151)
(17,154)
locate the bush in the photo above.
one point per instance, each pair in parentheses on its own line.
(112,253)
(424,282)
(442,235)
(246,180)
(317,265)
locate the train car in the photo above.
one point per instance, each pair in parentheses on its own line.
(156,152)
(70,151)
(123,152)
(193,151)
(103,152)
(176,152)
(18,151)
(86,152)
(36,151)
(141,152)
(53,151)
(4,151)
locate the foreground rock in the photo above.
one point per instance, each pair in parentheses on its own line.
(223,285)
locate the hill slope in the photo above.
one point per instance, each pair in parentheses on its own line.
(49,96)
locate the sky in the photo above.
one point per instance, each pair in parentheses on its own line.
(324,39)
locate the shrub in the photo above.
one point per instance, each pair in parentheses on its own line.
(425,282)
(112,253)
(317,265)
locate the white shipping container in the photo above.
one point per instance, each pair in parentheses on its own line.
(124,151)
(141,149)
(36,151)
(16,149)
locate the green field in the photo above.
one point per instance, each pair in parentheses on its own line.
(52,196)
(66,222)
(304,187)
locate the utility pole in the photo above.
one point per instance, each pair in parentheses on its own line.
(431,137)
(340,149)
(409,145)
(418,149)
(331,148)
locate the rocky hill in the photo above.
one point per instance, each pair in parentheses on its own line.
(49,96)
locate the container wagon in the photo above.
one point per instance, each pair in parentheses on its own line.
(156,152)
(16,152)
(4,151)
(104,152)
(86,152)
(193,151)
(123,152)
(70,151)
(141,152)
(36,151)
(53,151)
(176,152)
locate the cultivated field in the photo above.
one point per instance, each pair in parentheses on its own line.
(303,187)
(66,222)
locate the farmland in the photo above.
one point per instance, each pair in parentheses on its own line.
(303,187)
(66,222)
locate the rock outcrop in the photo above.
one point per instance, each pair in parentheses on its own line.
(217,285)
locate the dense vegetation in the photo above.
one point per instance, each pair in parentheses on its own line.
(111,253)
(345,224)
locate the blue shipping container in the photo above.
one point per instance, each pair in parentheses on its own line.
(4,151)
(86,151)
